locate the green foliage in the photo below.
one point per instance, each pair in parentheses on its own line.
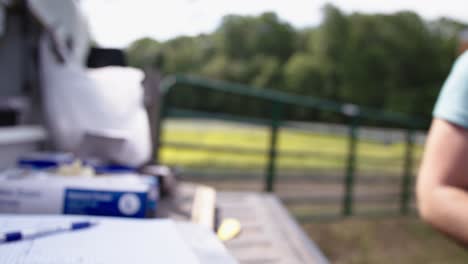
(303,75)
(144,52)
(394,62)
(242,37)
(400,57)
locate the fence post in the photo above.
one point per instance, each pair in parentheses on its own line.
(163,101)
(157,144)
(350,168)
(272,153)
(406,186)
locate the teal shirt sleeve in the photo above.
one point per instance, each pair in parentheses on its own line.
(452,104)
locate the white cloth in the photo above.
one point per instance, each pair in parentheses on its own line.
(106,101)
(65,21)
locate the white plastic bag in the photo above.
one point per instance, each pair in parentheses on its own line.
(106,101)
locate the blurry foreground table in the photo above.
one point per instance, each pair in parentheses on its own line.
(269,233)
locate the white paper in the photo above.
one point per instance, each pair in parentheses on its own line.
(113,240)
(205,244)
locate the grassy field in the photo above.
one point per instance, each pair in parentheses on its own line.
(298,149)
(304,157)
(355,240)
(387,240)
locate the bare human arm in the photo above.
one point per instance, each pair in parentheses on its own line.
(442,185)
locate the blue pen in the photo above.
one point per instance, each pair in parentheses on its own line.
(34,233)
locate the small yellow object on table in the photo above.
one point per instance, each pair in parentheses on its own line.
(77,168)
(229,229)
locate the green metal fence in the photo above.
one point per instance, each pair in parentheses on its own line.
(277,101)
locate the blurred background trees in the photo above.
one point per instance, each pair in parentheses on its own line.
(395,62)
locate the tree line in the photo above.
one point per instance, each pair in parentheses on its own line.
(392,62)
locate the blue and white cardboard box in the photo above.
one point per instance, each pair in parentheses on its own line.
(123,196)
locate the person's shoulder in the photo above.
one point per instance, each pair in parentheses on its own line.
(452,103)
(458,77)
(462,61)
